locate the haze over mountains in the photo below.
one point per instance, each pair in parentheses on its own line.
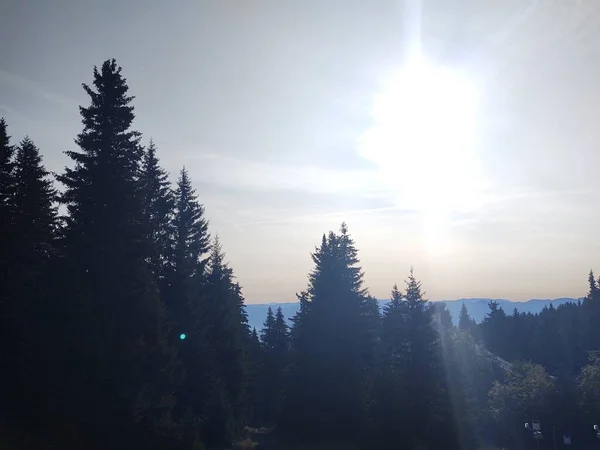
(477,307)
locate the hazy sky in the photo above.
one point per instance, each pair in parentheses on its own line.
(287,116)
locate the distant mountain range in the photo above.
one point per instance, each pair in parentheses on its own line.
(477,307)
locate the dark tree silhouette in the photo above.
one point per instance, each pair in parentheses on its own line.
(31,212)
(122,326)
(120,366)
(225,321)
(328,390)
(158,205)
(6,214)
(275,343)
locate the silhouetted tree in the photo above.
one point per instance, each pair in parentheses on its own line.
(32,215)
(158,208)
(494,325)
(120,368)
(392,383)
(254,382)
(328,385)
(225,321)
(188,256)
(275,343)
(428,401)
(6,221)
(465,322)
(121,325)
(590,310)
(180,247)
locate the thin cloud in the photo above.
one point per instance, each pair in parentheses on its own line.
(344,215)
(232,172)
(23,84)
(12,113)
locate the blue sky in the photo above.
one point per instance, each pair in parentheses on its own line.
(267,104)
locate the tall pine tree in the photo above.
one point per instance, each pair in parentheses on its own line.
(120,368)
(187,258)
(391,385)
(34,213)
(33,224)
(328,385)
(275,343)
(428,400)
(187,250)
(158,204)
(465,322)
(6,221)
(226,325)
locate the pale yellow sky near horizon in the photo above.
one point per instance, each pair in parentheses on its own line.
(284,114)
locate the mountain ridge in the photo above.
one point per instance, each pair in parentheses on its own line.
(476,306)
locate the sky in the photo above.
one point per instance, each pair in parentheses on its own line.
(459,138)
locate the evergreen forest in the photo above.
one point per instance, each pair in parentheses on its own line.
(122,326)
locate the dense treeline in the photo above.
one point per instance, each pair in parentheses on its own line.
(122,325)
(95,302)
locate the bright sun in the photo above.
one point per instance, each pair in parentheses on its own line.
(424,140)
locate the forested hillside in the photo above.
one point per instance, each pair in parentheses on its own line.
(123,326)
(476,307)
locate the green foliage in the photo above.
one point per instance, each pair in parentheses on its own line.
(470,375)
(527,394)
(588,386)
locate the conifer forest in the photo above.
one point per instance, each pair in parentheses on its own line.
(122,326)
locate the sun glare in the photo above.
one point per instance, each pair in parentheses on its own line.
(423,141)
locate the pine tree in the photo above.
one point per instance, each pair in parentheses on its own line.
(328,388)
(157,210)
(254,382)
(591,316)
(6,171)
(187,259)
(428,399)
(121,370)
(275,343)
(466,322)
(593,285)
(470,376)
(6,221)
(185,243)
(192,240)
(299,317)
(280,345)
(394,338)
(226,325)
(268,327)
(464,319)
(391,387)
(33,217)
(494,325)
